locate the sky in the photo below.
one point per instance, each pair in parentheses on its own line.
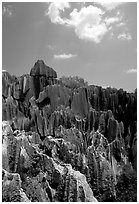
(95,41)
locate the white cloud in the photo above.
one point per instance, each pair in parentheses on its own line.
(88,23)
(7,11)
(131,71)
(65,56)
(125,36)
(112,35)
(54,11)
(121,24)
(52,47)
(109,5)
(111,20)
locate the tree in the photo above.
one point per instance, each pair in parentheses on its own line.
(73,82)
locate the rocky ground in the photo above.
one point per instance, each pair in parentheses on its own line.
(66,144)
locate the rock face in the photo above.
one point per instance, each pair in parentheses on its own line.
(80,103)
(43,178)
(7,81)
(65,145)
(11,188)
(42,76)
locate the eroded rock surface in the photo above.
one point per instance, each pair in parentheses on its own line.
(44,178)
(62,144)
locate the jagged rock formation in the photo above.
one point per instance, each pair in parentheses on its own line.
(80,103)
(43,177)
(41,76)
(62,144)
(11,188)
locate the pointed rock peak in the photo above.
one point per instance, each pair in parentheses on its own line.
(40,63)
(41,69)
(8,77)
(3,71)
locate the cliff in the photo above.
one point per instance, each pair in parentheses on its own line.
(62,144)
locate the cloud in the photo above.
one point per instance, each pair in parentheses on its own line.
(131,71)
(121,24)
(54,11)
(65,56)
(125,36)
(52,47)
(88,22)
(7,11)
(112,35)
(109,5)
(111,20)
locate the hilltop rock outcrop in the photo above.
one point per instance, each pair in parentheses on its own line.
(41,75)
(62,144)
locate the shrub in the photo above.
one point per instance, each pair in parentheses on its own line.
(73,82)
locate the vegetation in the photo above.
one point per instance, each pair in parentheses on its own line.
(126,188)
(73,82)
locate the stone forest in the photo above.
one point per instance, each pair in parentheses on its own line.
(66,141)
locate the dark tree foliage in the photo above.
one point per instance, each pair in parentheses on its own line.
(73,82)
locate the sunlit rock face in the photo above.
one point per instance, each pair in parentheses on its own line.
(44,178)
(7,81)
(11,188)
(66,145)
